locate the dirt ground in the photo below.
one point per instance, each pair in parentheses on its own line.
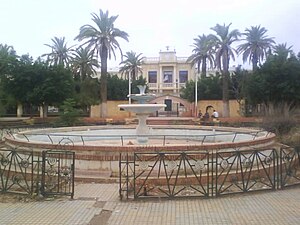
(13,198)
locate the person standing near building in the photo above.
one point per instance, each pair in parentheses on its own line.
(200,114)
(215,114)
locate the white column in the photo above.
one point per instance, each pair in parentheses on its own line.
(161,79)
(174,79)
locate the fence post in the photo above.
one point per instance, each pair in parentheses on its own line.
(43,172)
(276,166)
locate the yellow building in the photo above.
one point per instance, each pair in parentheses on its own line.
(165,76)
(167,73)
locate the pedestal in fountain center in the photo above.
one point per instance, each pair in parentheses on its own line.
(142,112)
(142,129)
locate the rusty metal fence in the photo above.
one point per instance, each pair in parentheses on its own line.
(33,173)
(206,174)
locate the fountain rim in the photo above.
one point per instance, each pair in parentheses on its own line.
(269,139)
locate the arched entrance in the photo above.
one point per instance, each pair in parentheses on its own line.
(176,106)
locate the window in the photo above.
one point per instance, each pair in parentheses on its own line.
(168,77)
(152,76)
(183,76)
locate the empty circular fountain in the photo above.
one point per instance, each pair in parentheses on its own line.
(100,148)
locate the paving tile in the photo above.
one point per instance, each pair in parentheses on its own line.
(277,208)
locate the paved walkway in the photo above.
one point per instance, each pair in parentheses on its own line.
(99,204)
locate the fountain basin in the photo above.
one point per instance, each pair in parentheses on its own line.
(99,148)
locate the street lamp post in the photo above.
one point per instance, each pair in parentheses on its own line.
(129,88)
(196,93)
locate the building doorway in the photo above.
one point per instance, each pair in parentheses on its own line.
(175,106)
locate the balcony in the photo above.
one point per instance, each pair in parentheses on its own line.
(168,85)
(182,59)
(165,59)
(152,85)
(165,86)
(151,60)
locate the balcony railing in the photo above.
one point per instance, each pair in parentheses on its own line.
(182,59)
(151,59)
(153,86)
(168,85)
(157,59)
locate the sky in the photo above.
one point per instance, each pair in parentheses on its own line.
(28,25)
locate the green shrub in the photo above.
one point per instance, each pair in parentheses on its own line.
(69,115)
(279,119)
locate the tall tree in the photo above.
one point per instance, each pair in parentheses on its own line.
(238,86)
(277,81)
(202,52)
(209,88)
(34,83)
(87,93)
(8,61)
(117,88)
(7,50)
(257,45)
(102,39)
(132,65)
(283,51)
(224,52)
(7,58)
(60,53)
(83,63)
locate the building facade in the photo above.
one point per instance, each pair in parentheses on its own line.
(167,73)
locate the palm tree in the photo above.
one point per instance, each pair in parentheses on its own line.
(7,56)
(83,63)
(283,51)
(257,45)
(131,66)
(101,39)
(203,52)
(7,50)
(224,52)
(60,54)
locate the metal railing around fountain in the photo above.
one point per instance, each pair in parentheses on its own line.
(123,140)
(11,130)
(207,174)
(46,173)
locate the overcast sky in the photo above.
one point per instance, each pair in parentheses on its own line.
(152,25)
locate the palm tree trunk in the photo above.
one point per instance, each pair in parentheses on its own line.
(254,63)
(103,82)
(134,75)
(203,69)
(225,74)
(225,98)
